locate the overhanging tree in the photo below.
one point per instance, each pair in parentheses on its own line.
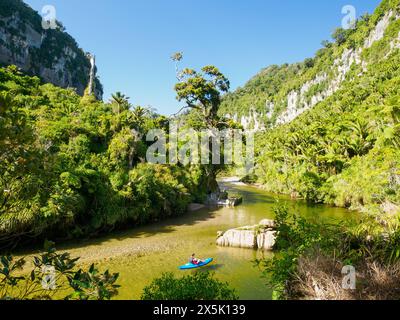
(202,91)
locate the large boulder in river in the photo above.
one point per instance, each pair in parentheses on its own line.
(237,238)
(260,236)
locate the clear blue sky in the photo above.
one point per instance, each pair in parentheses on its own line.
(134,39)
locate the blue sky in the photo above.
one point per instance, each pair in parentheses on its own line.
(134,39)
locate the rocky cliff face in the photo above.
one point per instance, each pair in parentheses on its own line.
(265,102)
(52,55)
(297,103)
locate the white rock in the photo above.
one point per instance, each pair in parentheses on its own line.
(379,31)
(270,109)
(266,240)
(249,237)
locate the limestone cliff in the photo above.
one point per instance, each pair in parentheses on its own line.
(279,94)
(51,54)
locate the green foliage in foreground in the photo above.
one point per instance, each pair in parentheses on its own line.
(375,239)
(54,275)
(199,286)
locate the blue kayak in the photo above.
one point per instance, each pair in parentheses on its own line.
(194,266)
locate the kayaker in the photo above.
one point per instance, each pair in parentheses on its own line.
(194,260)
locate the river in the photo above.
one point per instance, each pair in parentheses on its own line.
(142,254)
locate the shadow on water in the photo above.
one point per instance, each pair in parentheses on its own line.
(209,268)
(212,267)
(167,226)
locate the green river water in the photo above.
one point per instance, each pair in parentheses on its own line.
(142,254)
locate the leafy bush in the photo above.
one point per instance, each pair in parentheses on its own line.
(295,236)
(371,245)
(73,167)
(54,275)
(199,286)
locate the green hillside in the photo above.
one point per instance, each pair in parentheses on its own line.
(262,88)
(345,149)
(270,92)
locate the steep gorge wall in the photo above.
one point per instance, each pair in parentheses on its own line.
(294,96)
(52,55)
(297,103)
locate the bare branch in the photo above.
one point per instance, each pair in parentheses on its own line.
(186,107)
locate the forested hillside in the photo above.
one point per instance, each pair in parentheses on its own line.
(73,166)
(51,54)
(334,130)
(278,94)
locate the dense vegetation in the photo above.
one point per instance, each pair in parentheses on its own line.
(72,166)
(260,89)
(312,257)
(54,276)
(199,286)
(346,150)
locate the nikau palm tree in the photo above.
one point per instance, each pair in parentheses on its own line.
(121,100)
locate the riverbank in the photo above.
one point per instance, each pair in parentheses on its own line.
(385,207)
(143,253)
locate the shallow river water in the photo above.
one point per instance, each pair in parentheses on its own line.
(142,254)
